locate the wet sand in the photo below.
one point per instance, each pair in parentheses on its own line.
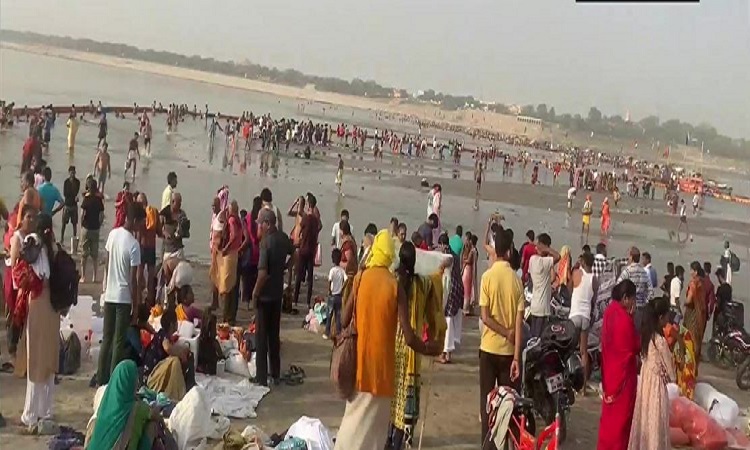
(378,190)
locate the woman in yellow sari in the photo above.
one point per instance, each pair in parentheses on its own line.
(424,295)
(695,309)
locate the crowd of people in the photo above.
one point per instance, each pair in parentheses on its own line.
(399,315)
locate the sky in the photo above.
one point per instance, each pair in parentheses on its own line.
(685,61)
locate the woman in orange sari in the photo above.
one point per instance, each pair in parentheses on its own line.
(620,348)
(605,217)
(695,308)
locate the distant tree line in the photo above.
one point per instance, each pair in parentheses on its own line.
(647,130)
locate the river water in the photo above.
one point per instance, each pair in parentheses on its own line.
(371,195)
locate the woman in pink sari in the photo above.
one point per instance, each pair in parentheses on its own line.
(605,217)
(620,349)
(468,261)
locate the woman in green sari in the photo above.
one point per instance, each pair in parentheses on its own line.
(424,295)
(121,420)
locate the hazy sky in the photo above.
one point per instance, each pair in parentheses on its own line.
(686,61)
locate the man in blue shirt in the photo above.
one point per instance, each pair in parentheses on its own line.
(49,194)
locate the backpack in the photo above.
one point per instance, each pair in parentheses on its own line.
(63,281)
(734,262)
(70,354)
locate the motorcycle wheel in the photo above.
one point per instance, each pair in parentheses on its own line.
(725,359)
(549,409)
(736,354)
(743,375)
(563,432)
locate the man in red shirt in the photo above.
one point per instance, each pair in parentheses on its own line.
(527,251)
(123,199)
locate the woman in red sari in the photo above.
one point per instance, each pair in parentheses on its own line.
(620,348)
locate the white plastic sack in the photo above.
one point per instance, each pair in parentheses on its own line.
(429,262)
(720,407)
(313,432)
(232,396)
(98,395)
(191,422)
(182,276)
(673,391)
(251,366)
(228,344)
(236,364)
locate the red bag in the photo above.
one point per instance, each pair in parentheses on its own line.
(678,413)
(702,430)
(678,437)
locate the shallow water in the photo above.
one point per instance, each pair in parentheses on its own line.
(372,194)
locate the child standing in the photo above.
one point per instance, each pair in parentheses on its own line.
(336,280)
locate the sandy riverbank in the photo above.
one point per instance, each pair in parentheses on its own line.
(476,119)
(457,385)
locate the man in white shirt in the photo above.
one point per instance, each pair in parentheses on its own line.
(336,279)
(571,196)
(121,295)
(540,270)
(696,202)
(683,219)
(675,287)
(336,231)
(582,298)
(267,198)
(166,196)
(72,125)
(725,262)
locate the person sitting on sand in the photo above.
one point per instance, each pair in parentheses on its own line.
(168,367)
(133,342)
(122,420)
(185,310)
(209,349)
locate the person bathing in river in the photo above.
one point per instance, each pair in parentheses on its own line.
(133,153)
(102,166)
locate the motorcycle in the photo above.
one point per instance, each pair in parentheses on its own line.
(729,346)
(552,371)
